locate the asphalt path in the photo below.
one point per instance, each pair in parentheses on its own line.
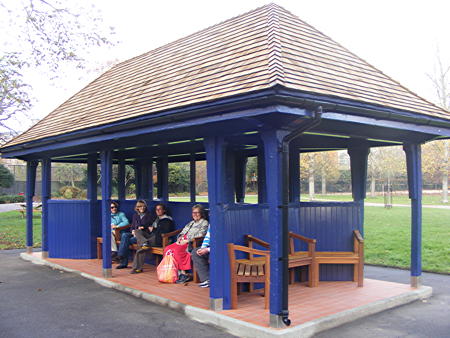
(36,301)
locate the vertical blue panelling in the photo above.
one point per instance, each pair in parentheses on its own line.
(31,187)
(46,192)
(70,229)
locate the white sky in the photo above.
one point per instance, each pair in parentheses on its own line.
(399,37)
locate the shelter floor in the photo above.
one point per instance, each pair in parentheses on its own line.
(305,303)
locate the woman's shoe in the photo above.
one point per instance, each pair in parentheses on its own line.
(121,266)
(134,271)
(182,278)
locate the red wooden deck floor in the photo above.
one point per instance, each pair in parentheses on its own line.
(305,303)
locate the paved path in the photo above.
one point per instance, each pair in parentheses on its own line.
(37,301)
(10,206)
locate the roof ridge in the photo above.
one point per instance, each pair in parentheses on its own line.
(275,65)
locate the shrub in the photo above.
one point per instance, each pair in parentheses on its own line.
(12,199)
(69,192)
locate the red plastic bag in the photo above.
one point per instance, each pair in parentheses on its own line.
(167,270)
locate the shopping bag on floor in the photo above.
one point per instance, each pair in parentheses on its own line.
(167,270)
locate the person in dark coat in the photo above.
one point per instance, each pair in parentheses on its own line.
(141,223)
(151,236)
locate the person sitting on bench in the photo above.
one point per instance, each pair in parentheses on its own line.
(195,228)
(162,224)
(142,220)
(200,258)
(118,221)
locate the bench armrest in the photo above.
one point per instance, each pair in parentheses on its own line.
(358,236)
(310,241)
(250,250)
(249,239)
(165,237)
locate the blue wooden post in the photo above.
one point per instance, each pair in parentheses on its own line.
(274,184)
(106,181)
(414,168)
(163,178)
(138,179)
(219,270)
(92,198)
(121,194)
(359,153)
(146,179)
(262,196)
(192,178)
(240,177)
(30,191)
(46,194)
(294,170)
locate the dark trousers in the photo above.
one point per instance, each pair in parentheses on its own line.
(142,237)
(124,251)
(201,264)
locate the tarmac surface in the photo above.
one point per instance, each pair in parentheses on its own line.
(36,301)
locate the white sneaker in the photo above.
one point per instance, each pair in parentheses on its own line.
(204,284)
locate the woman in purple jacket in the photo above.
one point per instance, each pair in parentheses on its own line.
(142,221)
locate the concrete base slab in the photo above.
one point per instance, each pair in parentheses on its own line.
(245,329)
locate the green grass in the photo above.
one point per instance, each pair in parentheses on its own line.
(388,237)
(396,199)
(13,232)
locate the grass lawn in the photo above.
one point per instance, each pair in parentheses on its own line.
(396,199)
(13,232)
(387,235)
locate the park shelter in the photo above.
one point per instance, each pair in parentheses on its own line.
(262,84)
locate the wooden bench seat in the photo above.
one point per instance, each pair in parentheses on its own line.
(157,251)
(355,257)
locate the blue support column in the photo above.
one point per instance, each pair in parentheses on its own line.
(262,195)
(414,168)
(30,191)
(106,181)
(46,194)
(240,177)
(138,179)
(92,198)
(192,178)
(121,194)
(294,176)
(163,178)
(359,153)
(146,179)
(274,184)
(215,147)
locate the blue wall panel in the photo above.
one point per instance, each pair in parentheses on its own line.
(70,230)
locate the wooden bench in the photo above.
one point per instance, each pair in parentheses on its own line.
(251,270)
(157,251)
(355,257)
(296,258)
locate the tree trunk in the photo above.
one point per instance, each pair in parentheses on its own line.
(445,174)
(372,186)
(311,186)
(324,182)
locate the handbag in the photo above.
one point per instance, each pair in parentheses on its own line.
(167,271)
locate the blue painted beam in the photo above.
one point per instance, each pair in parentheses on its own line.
(192,178)
(106,183)
(121,193)
(414,168)
(240,176)
(294,176)
(138,179)
(92,200)
(146,179)
(262,195)
(219,269)
(273,159)
(46,195)
(30,191)
(162,164)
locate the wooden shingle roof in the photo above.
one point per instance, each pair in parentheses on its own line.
(260,49)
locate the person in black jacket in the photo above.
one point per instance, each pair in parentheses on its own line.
(151,236)
(140,231)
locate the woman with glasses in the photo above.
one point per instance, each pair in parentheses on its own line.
(142,220)
(151,236)
(195,228)
(118,222)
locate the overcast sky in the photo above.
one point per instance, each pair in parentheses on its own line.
(398,37)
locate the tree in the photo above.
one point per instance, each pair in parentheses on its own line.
(42,35)
(6,177)
(308,171)
(327,164)
(386,164)
(179,177)
(441,83)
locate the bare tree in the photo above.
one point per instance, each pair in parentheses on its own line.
(441,83)
(43,35)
